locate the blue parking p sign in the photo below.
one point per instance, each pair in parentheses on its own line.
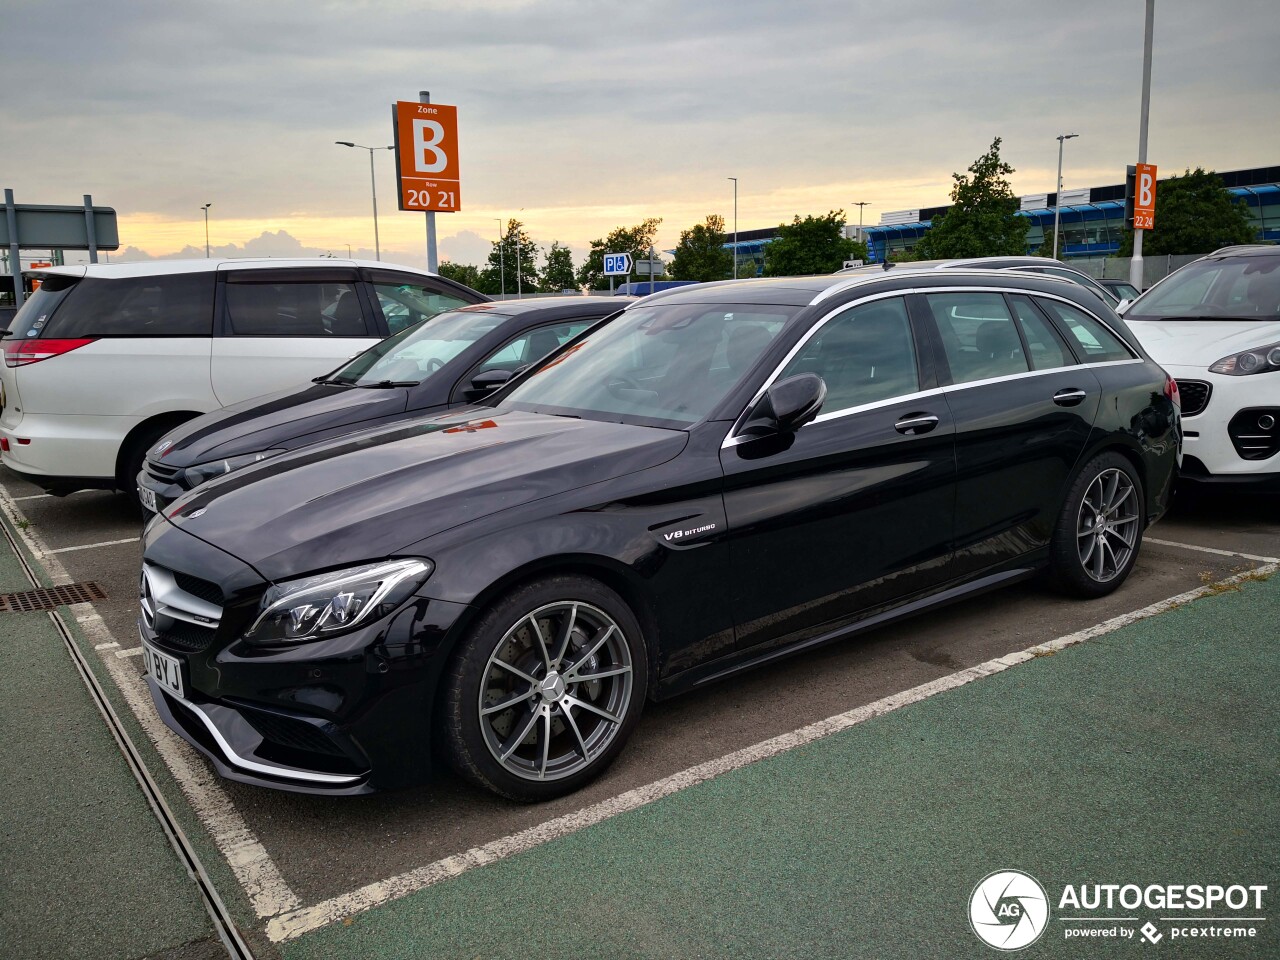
(617,264)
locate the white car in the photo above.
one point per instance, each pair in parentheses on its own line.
(1215,326)
(103,360)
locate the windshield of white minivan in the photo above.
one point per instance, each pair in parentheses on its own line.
(1233,288)
(657,366)
(415,353)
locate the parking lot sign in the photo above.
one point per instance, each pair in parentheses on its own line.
(1144,197)
(617,264)
(426,139)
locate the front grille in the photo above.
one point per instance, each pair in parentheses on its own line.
(186,637)
(204,589)
(1195,396)
(1255,432)
(162,471)
(292,733)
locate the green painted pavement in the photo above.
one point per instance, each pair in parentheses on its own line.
(1149,755)
(86,869)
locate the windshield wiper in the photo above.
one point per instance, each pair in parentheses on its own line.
(388,384)
(1214,316)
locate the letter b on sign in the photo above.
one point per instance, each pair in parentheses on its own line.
(1146,190)
(427,155)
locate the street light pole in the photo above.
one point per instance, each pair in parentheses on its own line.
(205,208)
(735,226)
(502,270)
(860,204)
(1057,199)
(373,183)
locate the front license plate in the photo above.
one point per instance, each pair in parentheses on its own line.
(164,669)
(148,498)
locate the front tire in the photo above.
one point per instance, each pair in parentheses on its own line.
(1099,531)
(545,689)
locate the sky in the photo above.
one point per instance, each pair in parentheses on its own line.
(577,117)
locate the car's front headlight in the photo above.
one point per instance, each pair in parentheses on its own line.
(1259,360)
(329,603)
(194,476)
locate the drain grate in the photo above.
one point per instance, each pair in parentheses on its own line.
(47,599)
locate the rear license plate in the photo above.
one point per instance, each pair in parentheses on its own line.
(163,669)
(148,499)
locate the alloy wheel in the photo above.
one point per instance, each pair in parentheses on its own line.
(555,691)
(1107,525)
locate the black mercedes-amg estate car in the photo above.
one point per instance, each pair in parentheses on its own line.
(720,476)
(453,358)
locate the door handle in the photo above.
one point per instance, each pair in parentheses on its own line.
(917,423)
(1069,397)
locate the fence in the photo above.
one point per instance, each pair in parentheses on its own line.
(1117,268)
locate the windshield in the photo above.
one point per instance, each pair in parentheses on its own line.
(1234,288)
(417,352)
(664,366)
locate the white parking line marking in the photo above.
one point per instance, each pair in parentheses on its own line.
(93,546)
(131,652)
(1213,550)
(289,926)
(257,873)
(34,496)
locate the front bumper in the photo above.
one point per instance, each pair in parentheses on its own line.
(347,715)
(1209,453)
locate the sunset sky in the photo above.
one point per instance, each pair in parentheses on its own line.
(579,117)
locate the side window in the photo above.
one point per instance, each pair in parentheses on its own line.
(533,345)
(1047,350)
(287,309)
(978,335)
(1095,343)
(404,304)
(174,305)
(865,354)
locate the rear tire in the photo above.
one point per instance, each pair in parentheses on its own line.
(545,689)
(1099,531)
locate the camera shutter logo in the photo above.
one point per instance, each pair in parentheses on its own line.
(1009,910)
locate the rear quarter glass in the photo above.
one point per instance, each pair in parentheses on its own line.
(172,305)
(34,315)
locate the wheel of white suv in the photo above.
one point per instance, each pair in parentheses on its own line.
(545,690)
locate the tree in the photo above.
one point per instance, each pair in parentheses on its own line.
(633,240)
(812,245)
(983,219)
(1195,213)
(701,253)
(500,273)
(557,272)
(464,273)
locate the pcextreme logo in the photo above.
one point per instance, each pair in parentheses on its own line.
(1009,910)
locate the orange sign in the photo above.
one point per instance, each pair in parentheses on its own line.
(1144,197)
(427,156)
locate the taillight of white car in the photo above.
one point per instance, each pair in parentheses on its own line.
(19,353)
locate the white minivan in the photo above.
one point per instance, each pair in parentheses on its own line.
(104,359)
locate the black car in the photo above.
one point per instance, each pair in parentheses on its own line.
(721,476)
(450,359)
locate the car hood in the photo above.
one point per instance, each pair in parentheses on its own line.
(1200,343)
(369,495)
(276,419)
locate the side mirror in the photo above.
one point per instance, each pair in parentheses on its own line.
(485,383)
(786,406)
(1123,305)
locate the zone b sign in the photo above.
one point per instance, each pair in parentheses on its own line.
(1144,197)
(427,156)
(617,264)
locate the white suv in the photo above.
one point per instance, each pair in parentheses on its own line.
(103,360)
(1215,326)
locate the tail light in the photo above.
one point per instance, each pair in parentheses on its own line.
(18,353)
(1171,391)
